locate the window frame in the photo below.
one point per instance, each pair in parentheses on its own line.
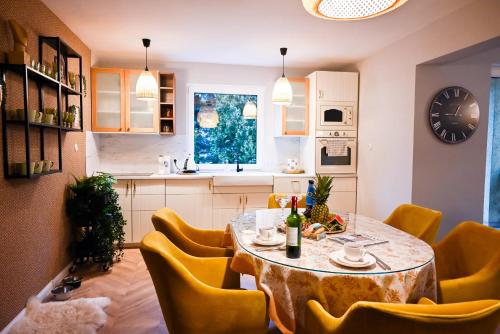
(259,91)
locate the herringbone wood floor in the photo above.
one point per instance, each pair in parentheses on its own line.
(134,306)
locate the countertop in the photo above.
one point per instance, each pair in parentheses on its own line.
(210,174)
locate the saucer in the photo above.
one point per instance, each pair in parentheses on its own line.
(339,257)
(272,242)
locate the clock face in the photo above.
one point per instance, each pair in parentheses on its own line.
(454,115)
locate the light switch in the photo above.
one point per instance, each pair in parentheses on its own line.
(76,147)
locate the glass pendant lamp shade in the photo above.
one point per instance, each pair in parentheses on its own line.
(282,90)
(250,110)
(345,10)
(146,88)
(208,117)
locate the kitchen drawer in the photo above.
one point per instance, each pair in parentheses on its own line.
(148,202)
(175,187)
(148,187)
(122,187)
(342,201)
(344,184)
(291,185)
(256,200)
(242,189)
(227,201)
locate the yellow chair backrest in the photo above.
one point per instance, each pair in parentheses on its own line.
(273,204)
(468,248)
(418,221)
(382,318)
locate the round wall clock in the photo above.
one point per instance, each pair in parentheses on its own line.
(454,115)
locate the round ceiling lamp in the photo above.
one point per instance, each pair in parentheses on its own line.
(350,10)
(146,88)
(250,110)
(208,117)
(282,91)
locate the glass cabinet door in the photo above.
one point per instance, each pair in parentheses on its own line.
(142,116)
(107,100)
(295,116)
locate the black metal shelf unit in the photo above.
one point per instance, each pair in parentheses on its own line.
(42,81)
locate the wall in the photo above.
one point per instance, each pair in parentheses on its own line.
(124,152)
(387,103)
(455,174)
(34,231)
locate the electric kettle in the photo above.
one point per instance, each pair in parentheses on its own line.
(190,166)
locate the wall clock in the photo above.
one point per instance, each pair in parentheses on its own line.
(454,115)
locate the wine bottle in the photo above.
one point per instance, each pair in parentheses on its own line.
(309,199)
(293,232)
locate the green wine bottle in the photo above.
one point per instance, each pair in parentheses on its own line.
(293,232)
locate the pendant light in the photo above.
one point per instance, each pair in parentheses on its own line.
(349,10)
(208,117)
(250,110)
(146,88)
(282,91)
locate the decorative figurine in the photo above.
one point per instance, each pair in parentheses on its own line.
(20,36)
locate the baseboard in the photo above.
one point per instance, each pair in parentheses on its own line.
(44,293)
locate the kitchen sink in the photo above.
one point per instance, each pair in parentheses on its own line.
(243,179)
(132,174)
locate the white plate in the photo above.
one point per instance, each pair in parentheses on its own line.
(339,258)
(273,242)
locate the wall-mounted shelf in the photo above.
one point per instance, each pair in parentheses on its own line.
(43,83)
(167,103)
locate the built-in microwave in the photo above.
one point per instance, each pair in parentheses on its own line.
(336,152)
(337,116)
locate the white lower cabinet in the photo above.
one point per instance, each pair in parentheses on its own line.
(124,190)
(343,195)
(192,200)
(229,202)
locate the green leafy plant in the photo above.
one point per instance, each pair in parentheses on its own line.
(95,214)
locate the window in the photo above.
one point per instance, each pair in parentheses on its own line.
(234,137)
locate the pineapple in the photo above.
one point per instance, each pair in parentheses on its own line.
(320,211)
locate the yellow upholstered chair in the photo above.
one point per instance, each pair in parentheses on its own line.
(420,222)
(468,263)
(201,295)
(191,240)
(272,204)
(480,316)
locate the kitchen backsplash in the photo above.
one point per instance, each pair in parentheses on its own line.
(139,153)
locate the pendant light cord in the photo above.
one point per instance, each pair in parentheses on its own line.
(283,75)
(147,59)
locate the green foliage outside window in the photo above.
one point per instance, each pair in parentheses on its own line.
(233,137)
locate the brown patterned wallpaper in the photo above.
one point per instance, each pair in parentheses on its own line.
(34,230)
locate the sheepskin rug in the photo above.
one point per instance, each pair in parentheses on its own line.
(79,316)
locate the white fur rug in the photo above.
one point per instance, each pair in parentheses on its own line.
(79,316)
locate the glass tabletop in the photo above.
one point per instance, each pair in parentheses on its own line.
(401,251)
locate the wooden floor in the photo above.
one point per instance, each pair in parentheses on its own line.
(134,306)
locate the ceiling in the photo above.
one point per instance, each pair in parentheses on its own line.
(247,32)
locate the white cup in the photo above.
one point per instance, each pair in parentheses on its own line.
(267,233)
(354,251)
(292,164)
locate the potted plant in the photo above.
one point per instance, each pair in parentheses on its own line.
(93,209)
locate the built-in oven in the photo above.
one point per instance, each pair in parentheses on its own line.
(336,152)
(337,116)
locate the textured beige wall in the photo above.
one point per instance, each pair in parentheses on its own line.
(34,231)
(387,102)
(446,177)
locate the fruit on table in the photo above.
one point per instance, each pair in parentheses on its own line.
(320,210)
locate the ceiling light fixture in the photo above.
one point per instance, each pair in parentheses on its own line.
(250,110)
(146,88)
(282,91)
(208,117)
(350,10)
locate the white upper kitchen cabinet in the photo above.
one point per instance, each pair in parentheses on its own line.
(336,86)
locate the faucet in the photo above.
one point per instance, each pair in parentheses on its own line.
(238,168)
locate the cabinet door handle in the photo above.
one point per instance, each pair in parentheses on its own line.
(128,129)
(240,199)
(119,129)
(210,185)
(126,190)
(134,188)
(246,200)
